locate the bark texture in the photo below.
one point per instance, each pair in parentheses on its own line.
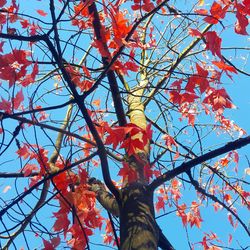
(138,228)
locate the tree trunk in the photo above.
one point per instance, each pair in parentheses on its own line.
(138,228)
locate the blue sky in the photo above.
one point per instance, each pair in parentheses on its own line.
(238,90)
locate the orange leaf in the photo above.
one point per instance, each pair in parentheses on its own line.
(42,13)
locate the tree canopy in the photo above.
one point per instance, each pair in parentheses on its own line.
(116,122)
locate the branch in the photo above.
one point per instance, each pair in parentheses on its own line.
(109,202)
(110,73)
(35,38)
(215,199)
(80,100)
(46,178)
(46,184)
(42,125)
(106,199)
(175,64)
(184,167)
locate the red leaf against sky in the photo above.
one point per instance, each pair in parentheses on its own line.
(194,32)
(223,66)
(42,13)
(242,23)
(213,43)
(5,106)
(25,23)
(218,99)
(217,13)
(120,26)
(23,152)
(29,168)
(160,204)
(18,99)
(13,66)
(130,137)
(199,79)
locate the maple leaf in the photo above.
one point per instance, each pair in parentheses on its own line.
(132,66)
(181,213)
(18,99)
(127,173)
(241,24)
(29,168)
(51,245)
(47,245)
(218,99)
(223,66)
(115,137)
(170,141)
(213,43)
(42,13)
(194,32)
(217,13)
(23,152)
(160,204)
(5,105)
(62,222)
(120,26)
(25,23)
(175,97)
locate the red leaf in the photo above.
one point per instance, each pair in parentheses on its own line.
(23,152)
(47,245)
(2,3)
(241,24)
(5,106)
(132,66)
(160,204)
(218,99)
(18,99)
(194,32)
(115,137)
(62,222)
(230,218)
(170,141)
(42,13)
(223,66)
(213,43)
(25,23)
(29,168)
(127,173)
(217,13)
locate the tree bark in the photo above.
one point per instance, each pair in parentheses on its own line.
(138,228)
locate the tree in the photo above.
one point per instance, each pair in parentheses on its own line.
(109,106)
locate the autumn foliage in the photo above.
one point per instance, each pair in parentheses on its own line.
(99,97)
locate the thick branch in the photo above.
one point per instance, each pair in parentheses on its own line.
(110,74)
(184,167)
(106,199)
